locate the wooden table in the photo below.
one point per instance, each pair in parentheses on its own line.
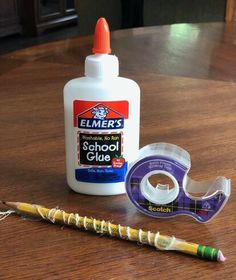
(187,74)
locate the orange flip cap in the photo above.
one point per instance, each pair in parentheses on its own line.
(101,43)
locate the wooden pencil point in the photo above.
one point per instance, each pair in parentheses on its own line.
(10,204)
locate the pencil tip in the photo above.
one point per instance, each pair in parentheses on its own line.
(221,257)
(10,204)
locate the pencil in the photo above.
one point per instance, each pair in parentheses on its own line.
(159,241)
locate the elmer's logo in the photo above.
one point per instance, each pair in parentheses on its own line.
(101,115)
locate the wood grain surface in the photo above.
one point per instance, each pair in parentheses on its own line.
(187,75)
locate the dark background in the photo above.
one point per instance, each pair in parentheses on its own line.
(24,23)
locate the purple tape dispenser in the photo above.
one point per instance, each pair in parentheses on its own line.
(158,185)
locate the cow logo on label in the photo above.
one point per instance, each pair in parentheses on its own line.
(100,112)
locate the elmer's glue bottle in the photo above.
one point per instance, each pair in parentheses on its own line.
(102,114)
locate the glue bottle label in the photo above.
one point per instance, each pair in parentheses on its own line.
(99,137)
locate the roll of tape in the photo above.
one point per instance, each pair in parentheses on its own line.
(177,194)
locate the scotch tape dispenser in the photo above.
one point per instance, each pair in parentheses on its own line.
(158,185)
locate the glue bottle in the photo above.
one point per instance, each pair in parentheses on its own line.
(102,114)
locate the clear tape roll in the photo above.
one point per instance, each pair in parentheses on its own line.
(181,195)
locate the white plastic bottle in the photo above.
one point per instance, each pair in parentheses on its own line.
(102,114)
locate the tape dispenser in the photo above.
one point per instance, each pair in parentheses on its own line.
(158,185)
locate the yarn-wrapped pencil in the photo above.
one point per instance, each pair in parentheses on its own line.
(162,242)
